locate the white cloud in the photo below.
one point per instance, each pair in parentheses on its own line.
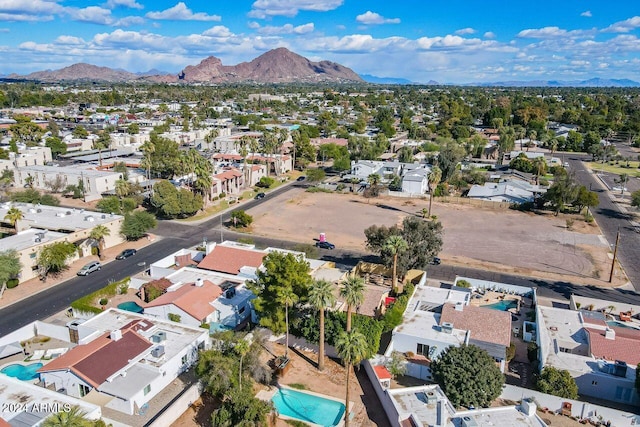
(69,40)
(129,21)
(489,35)
(131,4)
(465,31)
(554,33)
(92,14)
(180,12)
(286,29)
(262,9)
(624,26)
(372,18)
(34,10)
(586,14)
(218,31)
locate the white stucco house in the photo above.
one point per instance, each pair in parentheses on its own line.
(124,359)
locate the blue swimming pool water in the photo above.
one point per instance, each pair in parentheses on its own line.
(619,324)
(22,372)
(503,305)
(307,407)
(130,306)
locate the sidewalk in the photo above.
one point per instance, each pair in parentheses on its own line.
(34,286)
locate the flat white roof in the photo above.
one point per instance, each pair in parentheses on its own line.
(59,218)
(424,324)
(27,238)
(20,399)
(505,416)
(138,377)
(413,401)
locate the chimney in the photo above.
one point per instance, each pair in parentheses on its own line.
(115,335)
(199,282)
(610,334)
(459,306)
(528,407)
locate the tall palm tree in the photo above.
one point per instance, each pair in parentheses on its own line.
(287,297)
(433,178)
(72,418)
(122,188)
(243,144)
(395,244)
(353,293)
(211,136)
(242,348)
(320,297)
(13,216)
(98,233)
(351,347)
(148,148)
(540,166)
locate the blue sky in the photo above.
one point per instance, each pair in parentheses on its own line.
(452,41)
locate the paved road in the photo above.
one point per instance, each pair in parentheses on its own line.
(610,220)
(179,235)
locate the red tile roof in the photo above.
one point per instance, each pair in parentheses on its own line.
(228,174)
(195,300)
(97,360)
(625,346)
(382,373)
(492,326)
(230,260)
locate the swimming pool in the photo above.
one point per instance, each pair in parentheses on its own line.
(308,407)
(130,306)
(22,372)
(617,324)
(503,305)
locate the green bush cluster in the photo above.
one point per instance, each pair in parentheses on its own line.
(393,316)
(86,304)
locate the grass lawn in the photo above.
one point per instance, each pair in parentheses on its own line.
(617,169)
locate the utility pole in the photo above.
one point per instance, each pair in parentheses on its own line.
(221,238)
(615,252)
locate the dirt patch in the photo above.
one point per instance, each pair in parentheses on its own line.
(525,243)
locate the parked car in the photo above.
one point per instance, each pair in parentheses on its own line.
(325,245)
(89,268)
(126,253)
(435,261)
(301,178)
(259,196)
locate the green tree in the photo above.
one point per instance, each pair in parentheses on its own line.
(53,258)
(397,364)
(352,291)
(98,233)
(468,376)
(315,175)
(557,382)
(164,156)
(10,267)
(56,145)
(137,224)
(395,245)
(635,198)
(240,218)
(80,132)
(451,153)
(321,297)
(351,349)
(171,202)
(288,298)
(242,348)
(586,198)
(562,192)
(434,178)
(281,271)
(72,418)
(506,142)
(14,215)
(133,129)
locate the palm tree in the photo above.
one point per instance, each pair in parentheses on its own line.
(287,297)
(243,144)
(434,179)
(351,347)
(148,148)
(211,136)
(98,233)
(395,244)
(242,348)
(540,166)
(13,216)
(353,293)
(72,418)
(122,188)
(320,297)
(373,179)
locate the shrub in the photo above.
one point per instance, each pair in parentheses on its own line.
(12,283)
(103,301)
(265,182)
(86,303)
(511,352)
(174,317)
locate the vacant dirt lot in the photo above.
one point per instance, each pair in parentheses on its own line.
(504,240)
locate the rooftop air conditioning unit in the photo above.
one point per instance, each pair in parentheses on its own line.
(159,337)
(158,351)
(447,327)
(468,422)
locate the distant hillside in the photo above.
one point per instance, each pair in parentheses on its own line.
(275,66)
(385,80)
(595,82)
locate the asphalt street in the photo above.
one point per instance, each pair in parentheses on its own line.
(611,219)
(176,235)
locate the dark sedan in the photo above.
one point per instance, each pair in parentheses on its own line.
(325,245)
(126,253)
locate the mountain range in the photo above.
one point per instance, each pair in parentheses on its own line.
(275,66)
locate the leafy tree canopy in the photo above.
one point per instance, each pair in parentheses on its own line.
(9,265)
(282,271)
(171,202)
(136,224)
(468,376)
(53,258)
(557,382)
